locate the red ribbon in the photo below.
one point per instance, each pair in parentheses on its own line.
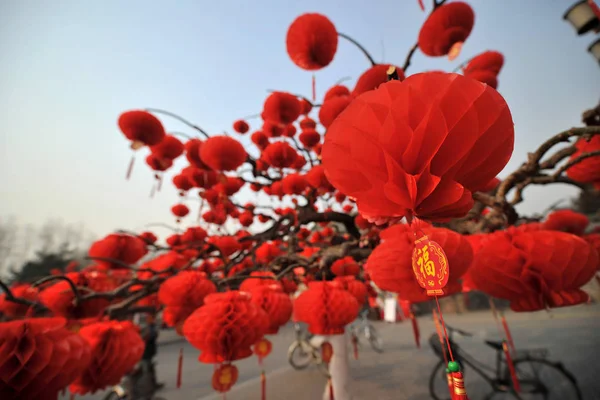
(263,385)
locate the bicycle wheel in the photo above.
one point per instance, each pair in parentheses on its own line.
(298,357)
(374,339)
(542,379)
(438,383)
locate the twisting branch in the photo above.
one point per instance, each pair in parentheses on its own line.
(360,47)
(180,119)
(575,161)
(60,278)
(9,296)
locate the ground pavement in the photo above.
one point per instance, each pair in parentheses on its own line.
(402,372)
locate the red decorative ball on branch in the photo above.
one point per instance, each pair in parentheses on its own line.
(326,308)
(223,153)
(426,163)
(39,357)
(226,327)
(448,26)
(312,41)
(116,347)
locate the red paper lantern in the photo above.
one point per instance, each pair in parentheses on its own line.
(567,221)
(373,77)
(60,299)
(116,347)
(447,26)
(250,284)
(241,126)
(121,247)
(534,269)
(226,327)
(224,377)
(276,304)
(588,170)
(426,162)
(182,294)
(168,149)
(345,266)
(141,127)
(16,310)
(279,155)
(39,357)
(355,287)
(311,41)
(281,108)
(485,68)
(223,153)
(332,108)
(334,91)
(263,348)
(326,352)
(489,61)
(326,308)
(390,264)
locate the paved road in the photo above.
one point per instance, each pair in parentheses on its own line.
(402,371)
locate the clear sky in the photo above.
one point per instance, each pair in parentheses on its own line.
(70,67)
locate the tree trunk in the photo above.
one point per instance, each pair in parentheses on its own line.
(339,368)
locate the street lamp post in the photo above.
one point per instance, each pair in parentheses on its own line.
(582,16)
(594,50)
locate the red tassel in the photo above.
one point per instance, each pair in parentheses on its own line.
(416,332)
(459,386)
(508,335)
(450,383)
(263,385)
(355,346)
(511,368)
(466,300)
(179,367)
(421,5)
(72,397)
(331,390)
(314,88)
(130,168)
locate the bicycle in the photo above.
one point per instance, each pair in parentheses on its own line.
(363,325)
(499,378)
(302,353)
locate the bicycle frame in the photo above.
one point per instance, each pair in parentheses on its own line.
(495,381)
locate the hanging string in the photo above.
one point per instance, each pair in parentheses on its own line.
(511,367)
(160,179)
(314,88)
(331,389)
(438,329)
(179,367)
(263,385)
(130,167)
(437,302)
(355,345)
(495,315)
(508,335)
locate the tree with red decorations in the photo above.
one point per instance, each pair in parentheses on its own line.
(360,183)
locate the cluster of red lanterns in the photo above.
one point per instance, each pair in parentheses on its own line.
(414,148)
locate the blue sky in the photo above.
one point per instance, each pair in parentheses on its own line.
(70,67)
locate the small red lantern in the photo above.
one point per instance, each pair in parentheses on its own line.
(224,377)
(326,352)
(263,348)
